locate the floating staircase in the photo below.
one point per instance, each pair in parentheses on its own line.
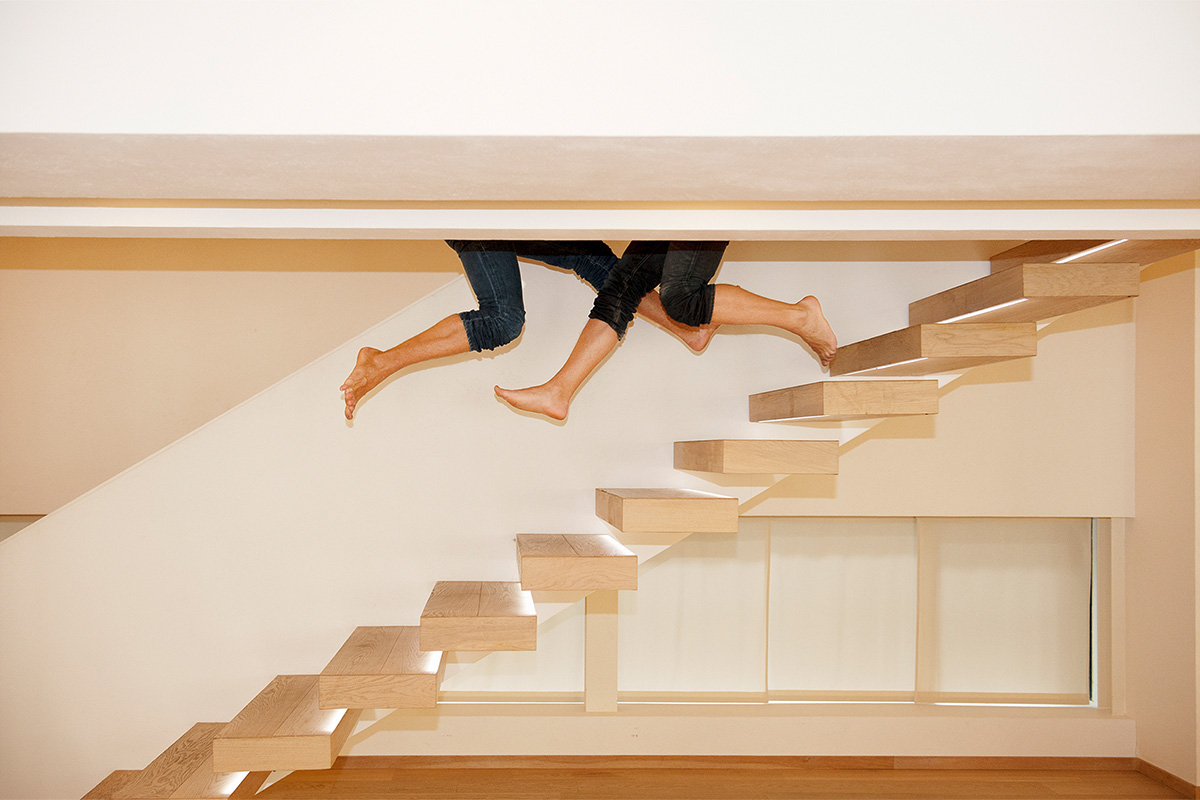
(479,615)
(758,456)
(1029,293)
(184,771)
(554,562)
(927,349)
(1094,251)
(302,721)
(846,400)
(284,728)
(667,511)
(382,668)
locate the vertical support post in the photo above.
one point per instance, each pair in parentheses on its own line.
(600,652)
(1116,628)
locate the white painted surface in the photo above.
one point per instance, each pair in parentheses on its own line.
(592,223)
(663,101)
(615,68)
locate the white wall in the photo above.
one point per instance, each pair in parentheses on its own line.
(253,546)
(624,68)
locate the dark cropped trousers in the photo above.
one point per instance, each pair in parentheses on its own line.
(495,277)
(681,270)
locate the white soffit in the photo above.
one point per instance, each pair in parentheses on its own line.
(732,224)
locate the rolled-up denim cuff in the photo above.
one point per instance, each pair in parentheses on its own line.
(487,330)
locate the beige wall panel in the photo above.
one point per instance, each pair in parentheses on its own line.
(1048,436)
(1161,545)
(102,368)
(806,729)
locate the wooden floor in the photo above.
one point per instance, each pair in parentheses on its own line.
(375,780)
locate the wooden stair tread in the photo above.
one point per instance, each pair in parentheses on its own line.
(1042,251)
(1030,292)
(115,782)
(924,349)
(844,400)
(1137,251)
(575,562)
(667,511)
(382,667)
(284,728)
(479,615)
(184,771)
(758,456)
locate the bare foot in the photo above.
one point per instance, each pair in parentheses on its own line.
(697,338)
(816,331)
(537,399)
(365,376)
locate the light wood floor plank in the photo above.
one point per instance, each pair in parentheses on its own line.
(714,784)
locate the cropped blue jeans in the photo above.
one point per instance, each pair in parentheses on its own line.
(495,277)
(681,270)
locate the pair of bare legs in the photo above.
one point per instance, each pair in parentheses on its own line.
(449,338)
(732,305)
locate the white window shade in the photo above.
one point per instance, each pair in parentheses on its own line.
(697,623)
(1005,610)
(843,608)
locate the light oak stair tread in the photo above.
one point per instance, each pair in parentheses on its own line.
(846,400)
(575,562)
(1137,251)
(758,456)
(662,494)
(184,771)
(284,727)
(115,782)
(667,511)
(453,599)
(382,667)
(1029,293)
(1041,251)
(479,615)
(925,349)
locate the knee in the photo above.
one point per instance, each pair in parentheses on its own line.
(500,326)
(509,324)
(685,303)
